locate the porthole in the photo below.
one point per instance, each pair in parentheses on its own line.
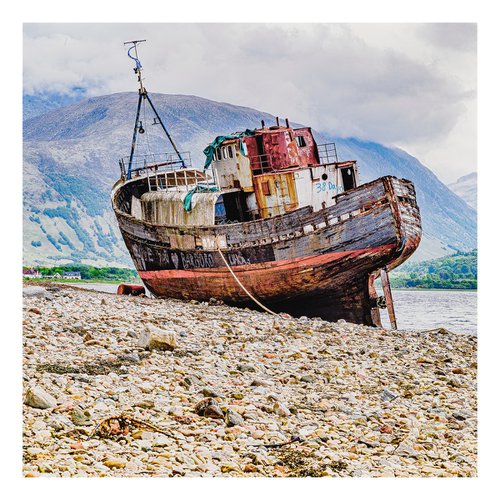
(324,177)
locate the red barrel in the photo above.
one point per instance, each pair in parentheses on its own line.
(124,289)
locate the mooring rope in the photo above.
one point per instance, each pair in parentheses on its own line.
(242,287)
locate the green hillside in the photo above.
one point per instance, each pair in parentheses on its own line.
(457,271)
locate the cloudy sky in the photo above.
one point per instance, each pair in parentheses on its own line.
(408,85)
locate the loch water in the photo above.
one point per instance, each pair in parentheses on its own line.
(455,310)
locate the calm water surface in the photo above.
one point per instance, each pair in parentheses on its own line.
(455,310)
(415,309)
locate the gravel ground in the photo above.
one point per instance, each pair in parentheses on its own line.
(131,386)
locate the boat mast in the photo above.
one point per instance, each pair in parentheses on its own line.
(143,95)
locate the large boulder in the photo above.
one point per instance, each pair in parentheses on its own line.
(156,338)
(36,291)
(36,397)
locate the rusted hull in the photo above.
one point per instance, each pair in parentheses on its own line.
(327,286)
(304,263)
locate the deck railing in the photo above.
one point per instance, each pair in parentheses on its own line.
(264,163)
(165,161)
(166,170)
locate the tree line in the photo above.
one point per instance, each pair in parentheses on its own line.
(93,273)
(456,271)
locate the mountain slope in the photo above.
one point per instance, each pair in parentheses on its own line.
(71,163)
(37,104)
(466,188)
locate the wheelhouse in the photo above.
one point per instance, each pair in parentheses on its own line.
(248,175)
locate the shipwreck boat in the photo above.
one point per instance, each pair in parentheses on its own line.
(273,218)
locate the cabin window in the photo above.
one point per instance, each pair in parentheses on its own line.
(224,153)
(301,142)
(230,151)
(348,178)
(219,154)
(266,190)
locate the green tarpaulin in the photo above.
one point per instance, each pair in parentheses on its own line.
(210,149)
(197,189)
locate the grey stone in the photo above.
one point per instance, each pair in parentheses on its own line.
(210,393)
(246,368)
(261,383)
(36,291)
(232,418)
(281,410)
(80,416)
(130,357)
(405,450)
(37,397)
(387,395)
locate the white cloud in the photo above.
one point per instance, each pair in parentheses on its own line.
(410,85)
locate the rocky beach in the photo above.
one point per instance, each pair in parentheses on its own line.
(137,387)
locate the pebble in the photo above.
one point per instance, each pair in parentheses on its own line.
(387,395)
(246,368)
(209,408)
(115,463)
(405,449)
(231,380)
(210,393)
(281,410)
(232,419)
(80,417)
(261,383)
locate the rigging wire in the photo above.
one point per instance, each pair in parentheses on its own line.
(146,130)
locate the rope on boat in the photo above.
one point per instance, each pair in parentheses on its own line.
(242,287)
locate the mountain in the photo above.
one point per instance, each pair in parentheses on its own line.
(466,188)
(71,163)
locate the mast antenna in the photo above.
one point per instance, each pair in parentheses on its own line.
(143,96)
(138,65)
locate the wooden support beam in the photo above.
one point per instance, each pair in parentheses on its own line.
(386,286)
(375,311)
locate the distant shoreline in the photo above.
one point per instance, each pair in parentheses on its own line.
(416,289)
(117,282)
(69,282)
